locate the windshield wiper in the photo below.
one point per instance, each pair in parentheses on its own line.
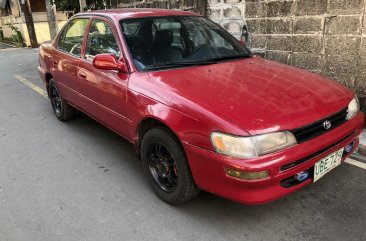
(178,64)
(242,56)
(194,63)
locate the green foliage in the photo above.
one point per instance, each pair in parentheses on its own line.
(68,5)
(17,37)
(14,38)
(73,7)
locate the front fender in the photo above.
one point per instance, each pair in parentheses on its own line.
(191,123)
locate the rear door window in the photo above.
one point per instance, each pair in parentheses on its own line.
(71,38)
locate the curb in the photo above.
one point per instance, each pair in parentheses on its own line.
(362,145)
(362,150)
(13,46)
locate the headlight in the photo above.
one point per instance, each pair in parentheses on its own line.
(242,147)
(353,108)
(273,142)
(249,147)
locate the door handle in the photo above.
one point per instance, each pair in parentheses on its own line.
(82,75)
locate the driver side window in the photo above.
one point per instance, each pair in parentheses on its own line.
(101,40)
(72,37)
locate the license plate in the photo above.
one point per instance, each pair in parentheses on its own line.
(326,164)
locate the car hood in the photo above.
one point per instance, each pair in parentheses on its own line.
(259,95)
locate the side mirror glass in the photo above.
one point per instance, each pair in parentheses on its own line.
(109,62)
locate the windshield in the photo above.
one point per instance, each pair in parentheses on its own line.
(170,42)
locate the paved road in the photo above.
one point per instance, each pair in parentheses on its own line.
(80,181)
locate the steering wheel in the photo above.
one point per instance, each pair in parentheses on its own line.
(78,45)
(198,48)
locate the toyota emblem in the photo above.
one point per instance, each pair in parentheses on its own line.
(327,125)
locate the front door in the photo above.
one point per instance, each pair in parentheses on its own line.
(107,89)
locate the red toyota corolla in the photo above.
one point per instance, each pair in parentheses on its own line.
(203,112)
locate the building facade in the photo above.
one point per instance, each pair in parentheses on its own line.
(11,15)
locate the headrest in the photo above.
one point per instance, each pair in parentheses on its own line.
(134,41)
(163,38)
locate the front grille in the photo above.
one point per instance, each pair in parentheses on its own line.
(315,154)
(313,130)
(292,181)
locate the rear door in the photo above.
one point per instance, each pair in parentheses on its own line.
(67,58)
(106,89)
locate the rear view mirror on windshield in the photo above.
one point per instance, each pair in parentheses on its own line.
(169,26)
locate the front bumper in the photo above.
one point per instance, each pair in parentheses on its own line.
(42,74)
(208,167)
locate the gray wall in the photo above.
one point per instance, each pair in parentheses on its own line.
(324,36)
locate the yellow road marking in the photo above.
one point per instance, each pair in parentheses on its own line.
(356,163)
(34,87)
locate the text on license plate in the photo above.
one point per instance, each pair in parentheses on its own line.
(326,164)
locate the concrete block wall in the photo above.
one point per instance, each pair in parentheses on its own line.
(230,14)
(324,36)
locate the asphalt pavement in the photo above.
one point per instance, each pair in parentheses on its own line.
(79,181)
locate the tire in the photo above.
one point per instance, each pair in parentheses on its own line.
(177,186)
(61,108)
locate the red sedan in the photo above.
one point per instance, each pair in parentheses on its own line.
(202,111)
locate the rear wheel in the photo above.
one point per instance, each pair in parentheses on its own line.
(165,164)
(62,109)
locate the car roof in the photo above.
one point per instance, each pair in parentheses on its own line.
(127,13)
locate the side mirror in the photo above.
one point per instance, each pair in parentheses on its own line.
(109,62)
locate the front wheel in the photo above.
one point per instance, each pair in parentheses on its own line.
(62,109)
(165,164)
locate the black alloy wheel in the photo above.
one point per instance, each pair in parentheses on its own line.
(162,167)
(62,109)
(166,166)
(55,100)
